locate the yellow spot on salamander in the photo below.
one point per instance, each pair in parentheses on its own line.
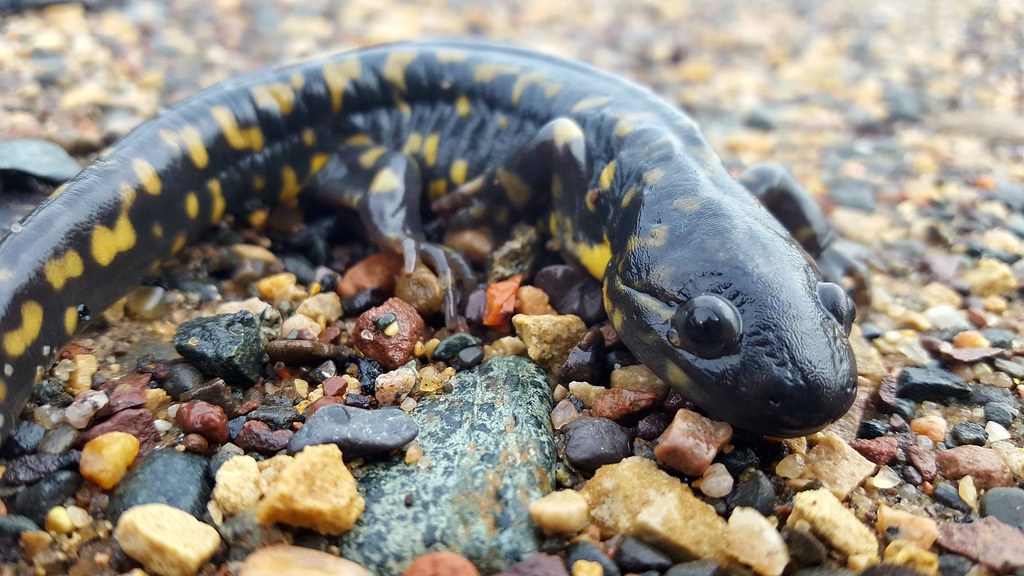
(237,138)
(437,189)
(18,340)
(359,140)
(628,197)
(369,158)
(191,205)
(517,190)
(552,89)
(337,75)
(70,320)
(259,183)
(566,132)
(457,173)
(623,128)
(430,149)
(148,177)
(158,230)
(394,68)
(594,257)
(385,181)
(686,204)
(592,102)
(607,175)
(488,72)
(318,162)
(403,106)
(170,138)
(413,143)
(290,186)
(196,148)
(298,80)
(522,82)
(179,242)
(451,56)
(462,106)
(59,270)
(309,137)
(217,200)
(3,390)
(279,96)
(502,121)
(654,176)
(107,243)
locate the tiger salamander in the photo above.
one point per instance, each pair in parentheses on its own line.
(701,282)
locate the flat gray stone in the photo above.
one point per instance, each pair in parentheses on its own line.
(488,452)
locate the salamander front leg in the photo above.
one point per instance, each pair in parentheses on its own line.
(840,261)
(550,164)
(385,187)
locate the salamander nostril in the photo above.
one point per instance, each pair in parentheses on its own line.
(774,402)
(837,303)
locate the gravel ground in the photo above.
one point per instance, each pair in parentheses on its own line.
(905,119)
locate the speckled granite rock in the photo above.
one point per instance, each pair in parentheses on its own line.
(487,452)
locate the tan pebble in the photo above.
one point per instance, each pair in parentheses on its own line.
(505,346)
(994,304)
(691,442)
(753,540)
(287,560)
(533,301)
(413,453)
(587,568)
(422,290)
(937,293)
(792,466)
(237,485)
(970,339)
(984,466)
(167,541)
(828,519)
(106,458)
(324,308)
(563,413)
(253,252)
(968,492)
(280,288)
(716,481)
(563,512)
(58,520)
(35,542)
(156,398)
(587,393)
(931,427)
(79,516)
(917,529)
(314,491)
(907,553)
(253,305)
(639,378)
(86,366)
(991,278)
(839,467)
(392,386)
(476,244)
(997,379)
(549,338)
(297,322)
(431,380)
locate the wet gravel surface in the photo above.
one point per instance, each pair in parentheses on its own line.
(905,120)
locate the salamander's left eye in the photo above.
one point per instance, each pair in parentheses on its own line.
(708,326)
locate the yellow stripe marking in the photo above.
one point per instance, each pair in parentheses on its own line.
(552,90)
(385,181)
(18,340)
(337,75)
(179,242)
(237,138)
(502,121)
(158,230)
(70,320)
(628,197)
(59,270)
(652,177)
(290,186)
(217,198)
(394,68)
(430,149)
(623,128)
(592,102)
(488,72)
(594,257)
(523,81)
(369,158)
(107,243)
(279,96)
(196,148)
(437,189)
(607,174)
(148,177)
(566,131)
(517,190)
(358,140)
(191,205)
(457,173)
(309,137)
(258,183)
(413,143)
(462,106)
(3,390)
(318,162)
(451,56)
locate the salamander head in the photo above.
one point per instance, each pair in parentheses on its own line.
(734,315)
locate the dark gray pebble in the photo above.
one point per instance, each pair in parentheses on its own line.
(870,429)
(584,550)
(586,360)
(363,301)
(470,357)
(325,370)
(12,525)
(277,417)
(695,568)
(38,158)
(981,394)
(1000,413)
(968,433)
(181,379)
(1000,338)
(931,383)
(954,565)
(635,556)
(218,393)
(804,548)
(223,454)
(36,500)
(754,490)
(368,372)
(58,440)
(225,345)
(243,536)
(167,476)
(51,391)
(572,292)
(651,426)
(739,459)
(34,467)
(947,495)
(24,438)
(453,344)
(302,352)
(1005,504)
(885,569)
(359,433)
(593,442)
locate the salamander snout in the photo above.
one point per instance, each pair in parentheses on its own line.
(838,304)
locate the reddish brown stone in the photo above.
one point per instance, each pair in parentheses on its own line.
(321,402)
(982,464)
(441,564)
(691,441)
(620,404)
(924,461)
(124,393)
(879,450)
(335,386)
(329,334)
(195,443)
(258,437)
(988,541)
(136,421)
(204,419)
(376,271)
(388,351)
(537,565)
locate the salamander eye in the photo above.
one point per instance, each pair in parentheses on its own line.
(708,326)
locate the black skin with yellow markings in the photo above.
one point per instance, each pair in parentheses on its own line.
(702,283)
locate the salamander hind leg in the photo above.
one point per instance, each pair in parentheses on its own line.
(550,164)
(385,187)
(839,260)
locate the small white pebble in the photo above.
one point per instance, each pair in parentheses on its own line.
(968,492)
(162,425)
(996,432)
(81,411)
(408,404)
(885,479)
(716,481)
(791,466)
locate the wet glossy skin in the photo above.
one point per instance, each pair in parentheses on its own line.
(632,190)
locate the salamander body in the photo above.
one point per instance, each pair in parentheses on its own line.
(700,281)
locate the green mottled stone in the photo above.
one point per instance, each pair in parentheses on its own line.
(488,452)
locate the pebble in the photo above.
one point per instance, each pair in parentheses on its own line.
(804,548)
(968,433)
(954,565)
(716,481)
(826,517)
(1004,504)
(691,442)
(324,308)
(389,345)
(147,483)
(988,541)
(441,564)
(277,417)
(537,565)
(392,387)
(593,442)
(452,345)
(586,393)
(23,439)
(623,405)
(549,338)
(237,486)
(639,378)
(982,464)
(920,530)
(931,383)
(651,426)
(469,357)
(181,378)
(301,352)
(879,450)
(422,290)
(1000,413)
(923,460)
(570,291)
(255,436)
(358,433)
(315,490)
(38,158)
(563,512)
(563,413)
(839,467)
(105,459)
(633,555)
(167,541)
(378,271)
(85,406)
(947,494)
(932,427)
(35,501)
(204,419)
(138,422)
(752,540)
(585,362)
(945,317)
(585,553)
(12,526)
(288,560)
(991,278)
(516,256)
(58,440)
(754,490)
(226,345)
(34,467)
